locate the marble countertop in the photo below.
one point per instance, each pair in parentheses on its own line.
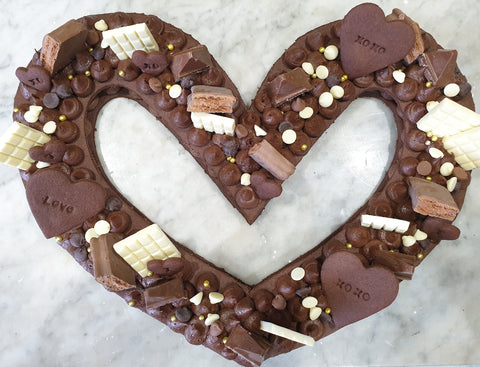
(55,314)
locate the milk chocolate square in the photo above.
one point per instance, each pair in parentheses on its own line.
(165,293)
(61,45)
(108,267)
(430,198)
(190,61)
(250,346)
(288,85)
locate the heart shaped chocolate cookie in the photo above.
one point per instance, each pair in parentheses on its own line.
(248,153)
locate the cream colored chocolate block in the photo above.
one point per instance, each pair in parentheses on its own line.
(213,123)
(385,223)
(150,243)
(125,40)
(283,332)
(15,143)
(448,118)
(465,146)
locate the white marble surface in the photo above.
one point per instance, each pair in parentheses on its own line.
(55,314)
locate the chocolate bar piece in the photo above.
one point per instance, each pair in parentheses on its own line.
(165,293)
(269,158)
(251,347)
(440,66)
(190,61)
(402,265)
(288,85)
(430,198)
(108,267)
(205,98)
(61,45)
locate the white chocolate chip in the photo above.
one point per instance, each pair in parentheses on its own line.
(431,105)
(306,113)
(101,25)
(50,127)
(408,241)
(31,116)
(435,153)
(452,183)
(90,234)
(289,136)
(175,91)
(322,72)
(41,165)
(337,91)
(325,100)
(35,109)
(259,131)
(315,313)
(308,68)
(428,142)
(102,227)
(245,179)
(215,297)
(197,299)
(420,235)
(331,52)
(309,302)
(211,318)
(446,169)
(399,76)
(451,90)
(297,273)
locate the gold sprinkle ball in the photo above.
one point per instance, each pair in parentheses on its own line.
(428,178)
(170,47)
(173,318)
(121,73)
(201,317)
(131,303)
(349,245)
(434,138)
(59,239)
(328,310)
(90,49)
(344,78)
(206,283)
(62,117)
(70,77)
(428,84)
(429,134)
(89,249)
(149,273)
(16,109)
(232,160)
(168,86)
(321,50)
(88,73)
(313,76)
(224,340)
(419,256)
(304,147)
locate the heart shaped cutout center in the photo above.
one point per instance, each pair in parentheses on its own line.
(148,166)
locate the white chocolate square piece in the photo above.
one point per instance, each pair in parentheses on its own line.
(15,143)
(125,40)
(213,123)
(385,223)
(150,243)
(465,146)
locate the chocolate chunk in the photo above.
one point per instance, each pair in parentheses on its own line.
(51,152)
(165,293)
(269,158)
(205,98)
(429,198)
(108,267)
(192,60)
(288,85)
(440,229)
(153,63)
(60,205)
(34,76)
(166,268)
(402,265)
(265,187)
(250,346)
(440,66)
(61,45)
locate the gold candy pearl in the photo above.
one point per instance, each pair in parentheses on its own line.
(168,86)
(434,138)
(88,73)
(173,318)
(62,117)
(232,160)
(349,245)
(89,249)
(304,147)
(328,310)
(344,77)
(59,239)
(16,110)
(170,47)
(131,303)
(201,317)
(228,158)
(313,76)
(225,339)
(321,50)
(428,178)
(419,256)
(149,273)
(206,283)
(428,84)
(429,134)
(90,49)
(70,77)
(121,73)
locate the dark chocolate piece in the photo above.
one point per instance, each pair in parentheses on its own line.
(108,267)
(288,85)
(440,66)
(165,293)
(60,205)
(153,63)
(250,346)
(205,98)
(353,291)
(60,46)
(430,198)
(190,61)
(369,43)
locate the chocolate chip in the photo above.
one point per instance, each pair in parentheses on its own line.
(80,254)
(113,204)
(77,240)
(51,100)
(183,314)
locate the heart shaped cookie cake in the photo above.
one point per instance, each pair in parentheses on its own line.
(248,151)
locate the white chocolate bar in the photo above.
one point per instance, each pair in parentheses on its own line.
(283,332)
(448,118)
(150,243)
(466,148)
(385,223)
(15,143)
(213,123)
(125,40)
